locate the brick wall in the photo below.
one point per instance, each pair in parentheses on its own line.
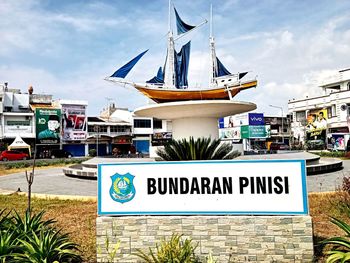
(238,238)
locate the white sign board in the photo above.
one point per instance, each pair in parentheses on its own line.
(264,187)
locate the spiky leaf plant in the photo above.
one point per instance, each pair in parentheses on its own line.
(199,149)
(173,250)
(340,251)
(48,246)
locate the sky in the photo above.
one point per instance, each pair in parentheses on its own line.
(66,48)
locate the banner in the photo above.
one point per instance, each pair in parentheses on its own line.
(48,125)
(230,133)
(74,122)
(317,120)
(251,132)
(256,118)
(268,187)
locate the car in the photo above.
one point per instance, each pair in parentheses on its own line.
(60,154)
(13,155)
(279,146)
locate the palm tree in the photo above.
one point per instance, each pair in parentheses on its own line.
(199,149)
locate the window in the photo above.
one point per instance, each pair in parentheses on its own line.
(120,129)
(103,128)
(348,85)
(300,116)
(157,124)
(138,123)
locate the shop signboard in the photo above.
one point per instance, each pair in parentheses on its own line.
(256,119)
(18,126)
(48,125)
(264,187)
(74,122)
(250,132)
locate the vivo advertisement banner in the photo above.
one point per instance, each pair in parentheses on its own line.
(256,119)
(265,187)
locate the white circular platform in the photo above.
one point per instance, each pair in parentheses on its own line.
(194,118)
(194,109)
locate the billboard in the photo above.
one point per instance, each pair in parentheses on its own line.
(251,132)
(48,125)
(74,122)
(230,133)
(316,129)
(337,142)
(256,119)
(264,187)
(317,120)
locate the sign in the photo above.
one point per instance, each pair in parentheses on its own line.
(74,122)
(256,119)
(230,133)
(250,132)
(267,187)
(18,126)
(48,125)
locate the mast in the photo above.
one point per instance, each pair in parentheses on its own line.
(212,59)
(169,76)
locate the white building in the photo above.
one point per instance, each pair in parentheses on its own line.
(16,117)
(333,101)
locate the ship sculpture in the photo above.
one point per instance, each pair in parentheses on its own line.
(171,84)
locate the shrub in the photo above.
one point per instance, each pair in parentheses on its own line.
(340,251)
(200,149)
(174,250)
(92,152)
(32,239)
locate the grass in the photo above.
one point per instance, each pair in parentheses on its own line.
(75,217)
(21,166)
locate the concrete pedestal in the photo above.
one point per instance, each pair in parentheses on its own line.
(238,238)
(195,118)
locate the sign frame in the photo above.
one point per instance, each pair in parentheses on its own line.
(304,211)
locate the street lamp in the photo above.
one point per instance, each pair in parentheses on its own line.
(281,108)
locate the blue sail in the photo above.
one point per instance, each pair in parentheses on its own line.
(182,60)
(159,78)
(221,70)
(182,27)
(124,70)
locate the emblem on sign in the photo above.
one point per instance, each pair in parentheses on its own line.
(122,189)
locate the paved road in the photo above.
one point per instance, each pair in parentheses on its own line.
(53,181)
(50,181)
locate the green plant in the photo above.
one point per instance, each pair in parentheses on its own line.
(340,251)
(210,259)
(111,251)
(32,239)
(172,251)
(92,152)
(199,149)
(48,246)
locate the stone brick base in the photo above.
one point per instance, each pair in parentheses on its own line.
(238,238)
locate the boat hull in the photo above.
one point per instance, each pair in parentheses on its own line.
(161,95)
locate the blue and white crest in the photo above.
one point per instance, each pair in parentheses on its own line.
(122,189)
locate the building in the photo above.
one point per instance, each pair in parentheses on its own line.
(323,121)
(16,117)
